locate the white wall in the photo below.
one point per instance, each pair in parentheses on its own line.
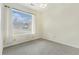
(21,38)
(61,23)
(1,46)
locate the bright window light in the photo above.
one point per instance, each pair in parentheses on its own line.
(22,22)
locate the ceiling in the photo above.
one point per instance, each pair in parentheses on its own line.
(35,6)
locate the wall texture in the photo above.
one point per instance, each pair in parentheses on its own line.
(61,23)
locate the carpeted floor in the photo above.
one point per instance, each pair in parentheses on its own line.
(40,47)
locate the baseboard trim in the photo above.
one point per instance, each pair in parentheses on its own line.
(15,42)
(19,43)
(59,42)
(46,37)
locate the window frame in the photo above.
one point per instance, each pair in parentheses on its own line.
(25,10)
(30,32)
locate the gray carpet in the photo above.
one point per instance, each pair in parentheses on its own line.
(40,47)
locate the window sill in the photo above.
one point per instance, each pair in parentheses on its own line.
(23,34)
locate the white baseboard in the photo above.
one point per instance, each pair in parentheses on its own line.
(47,37)
(44,36)
(20,40)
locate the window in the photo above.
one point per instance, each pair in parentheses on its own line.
(21,22)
